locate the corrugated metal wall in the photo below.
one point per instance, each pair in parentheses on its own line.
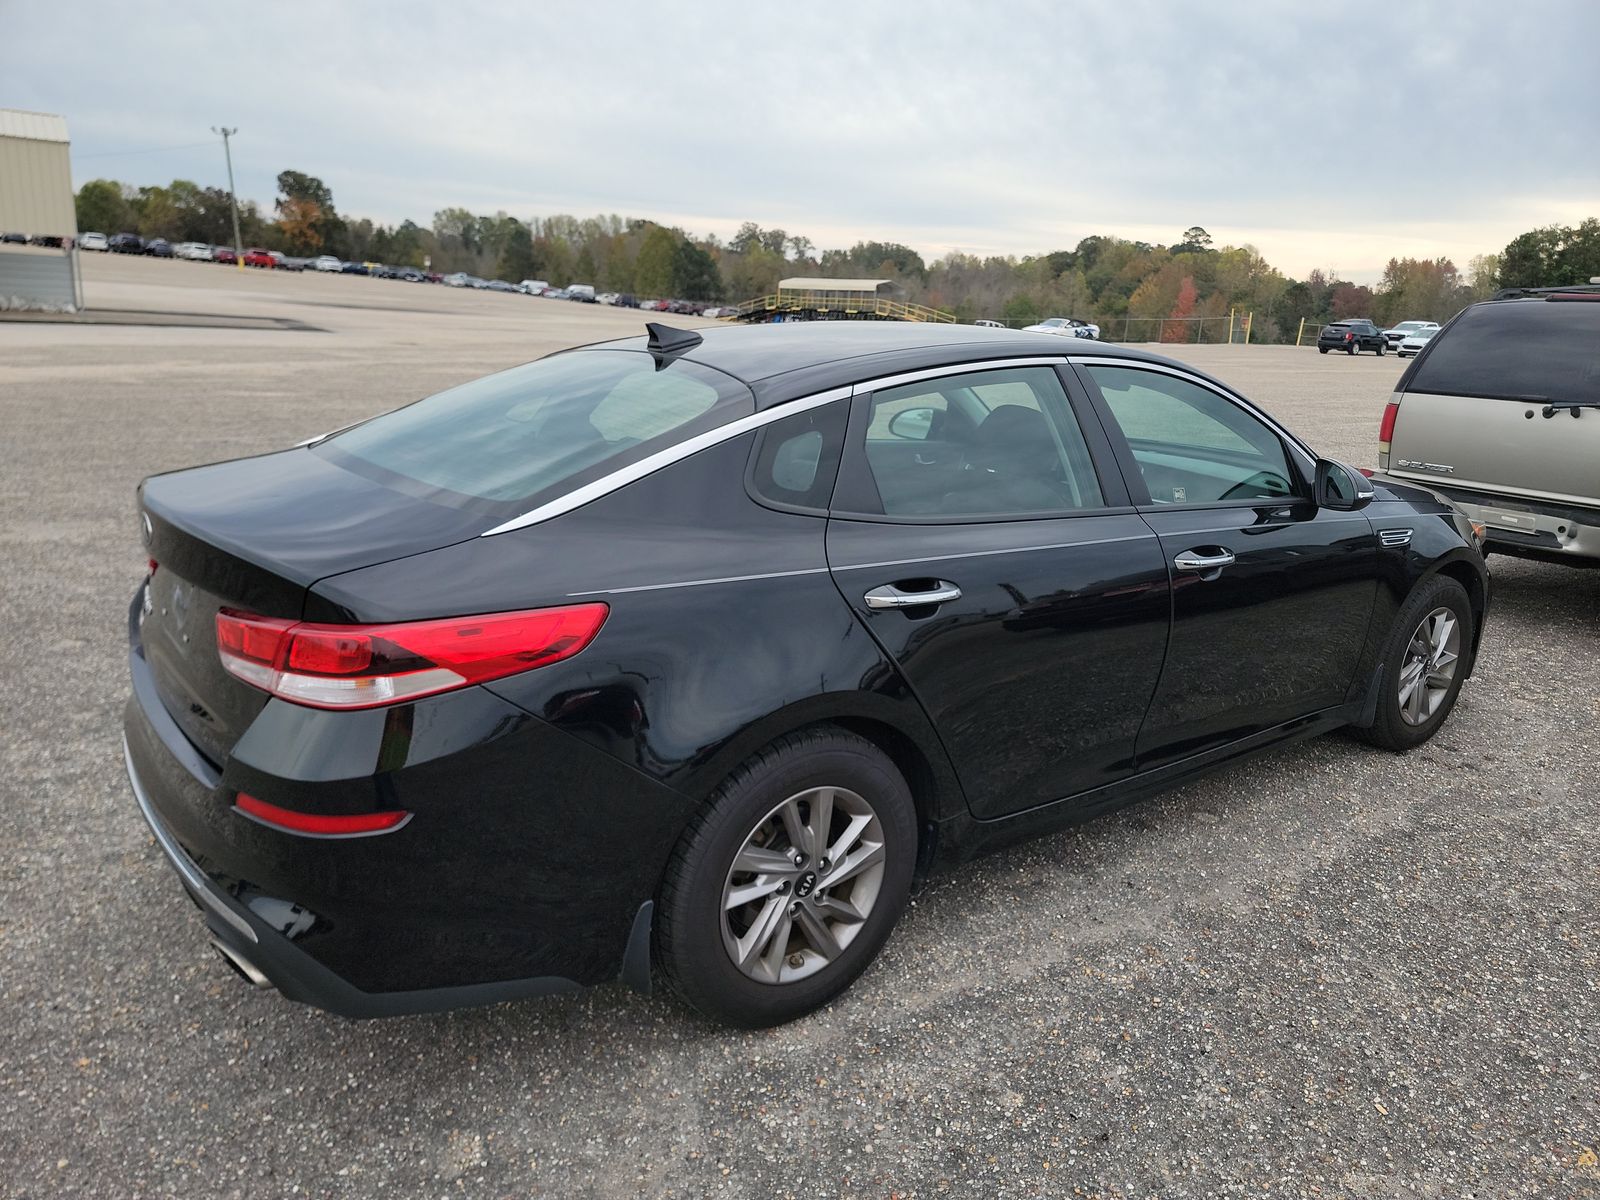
(37,281)
(36,188)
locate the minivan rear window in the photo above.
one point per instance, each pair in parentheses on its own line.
(1515,350)
(534,432)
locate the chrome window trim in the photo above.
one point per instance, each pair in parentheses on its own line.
(623,476)
(984,364)
(1134,364)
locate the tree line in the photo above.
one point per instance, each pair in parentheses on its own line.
(1181,292)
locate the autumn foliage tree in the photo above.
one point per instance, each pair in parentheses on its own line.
(1182,310)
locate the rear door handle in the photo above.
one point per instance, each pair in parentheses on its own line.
(1193,560)
(889,596)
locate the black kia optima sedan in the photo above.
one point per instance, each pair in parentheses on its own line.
(686,656)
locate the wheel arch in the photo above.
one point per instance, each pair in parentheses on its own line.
(1472,579)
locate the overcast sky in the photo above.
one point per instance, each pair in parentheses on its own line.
(1333,135)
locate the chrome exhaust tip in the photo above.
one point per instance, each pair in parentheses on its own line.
(239,963)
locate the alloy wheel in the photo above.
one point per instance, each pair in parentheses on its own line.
(802,885)
(1429,668)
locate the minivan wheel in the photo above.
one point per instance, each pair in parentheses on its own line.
(1425,663)
(785,887)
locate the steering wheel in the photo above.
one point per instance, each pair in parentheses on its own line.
(1268,485)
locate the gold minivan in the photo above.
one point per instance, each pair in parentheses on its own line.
(1501,413)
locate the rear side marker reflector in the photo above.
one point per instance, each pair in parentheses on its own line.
(316,824)
(367,666)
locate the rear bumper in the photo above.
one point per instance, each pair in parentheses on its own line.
(1529,528)
(529,865)
(263,954)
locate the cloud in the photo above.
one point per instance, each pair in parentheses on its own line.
(1014,129)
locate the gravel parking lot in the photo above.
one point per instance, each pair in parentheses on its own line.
(1331,972)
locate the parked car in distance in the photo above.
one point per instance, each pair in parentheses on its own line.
(534,287)
(288,262)
(158,248)
(1411,345)
(408,754)
(985,323)
(555,293)
(196,251)
(1352,336)
(52,240)
(353,268)
(456,279)
(18,239)
(627,300)
(126,243)
(501,285)
(607,298)
(1065,327)
(583,292)
(1501,413)
(1396,334)
(257,257)
(93,241)
(327,262)
(411,275)
(224,254)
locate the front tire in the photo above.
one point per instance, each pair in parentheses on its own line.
(1425,663)
(786,886)
(1322,349)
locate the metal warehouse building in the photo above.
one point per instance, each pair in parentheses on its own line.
(36,201)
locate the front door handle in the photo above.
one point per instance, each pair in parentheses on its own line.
(1193,560)
(889,596)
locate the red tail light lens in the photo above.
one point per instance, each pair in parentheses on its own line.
(365,666)
(1386,433)
(316,824)
(1386,426)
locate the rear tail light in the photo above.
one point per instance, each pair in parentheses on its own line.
(317,824)
(1386,433)
(1349,337)
(365,666)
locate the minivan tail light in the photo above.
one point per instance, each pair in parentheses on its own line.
(367,666)
(1386,432)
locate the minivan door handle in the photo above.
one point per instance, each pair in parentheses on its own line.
(1194,560)
(890,596)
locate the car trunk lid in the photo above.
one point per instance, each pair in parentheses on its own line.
(253,535)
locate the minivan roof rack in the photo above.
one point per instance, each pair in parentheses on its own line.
(1573,291)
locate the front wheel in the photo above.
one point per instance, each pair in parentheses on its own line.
(787,885)
(1322,349)
(1424,665)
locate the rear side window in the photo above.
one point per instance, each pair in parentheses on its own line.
(796,459)
(536,431)
(1515,350)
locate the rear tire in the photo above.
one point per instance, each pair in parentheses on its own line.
(1425,662)
(1322,349)
(1380,349)
(1351,349)
(807,925)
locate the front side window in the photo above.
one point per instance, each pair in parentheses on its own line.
(1193,446)
(992,443)
(536,431)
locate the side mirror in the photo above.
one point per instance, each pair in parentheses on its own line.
(1341,488)
(913,424)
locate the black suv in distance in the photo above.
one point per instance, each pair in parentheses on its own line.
(693,652)
(126,243)
(1352,337)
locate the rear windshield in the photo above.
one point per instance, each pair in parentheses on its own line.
(1515,350)
(536,431)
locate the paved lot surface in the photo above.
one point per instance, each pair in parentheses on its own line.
(1332,972)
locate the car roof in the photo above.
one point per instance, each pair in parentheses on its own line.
(788,359)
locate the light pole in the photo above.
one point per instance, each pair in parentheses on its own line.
(233,197)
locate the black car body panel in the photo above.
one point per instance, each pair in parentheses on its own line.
(1352,336)
(1076,671)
